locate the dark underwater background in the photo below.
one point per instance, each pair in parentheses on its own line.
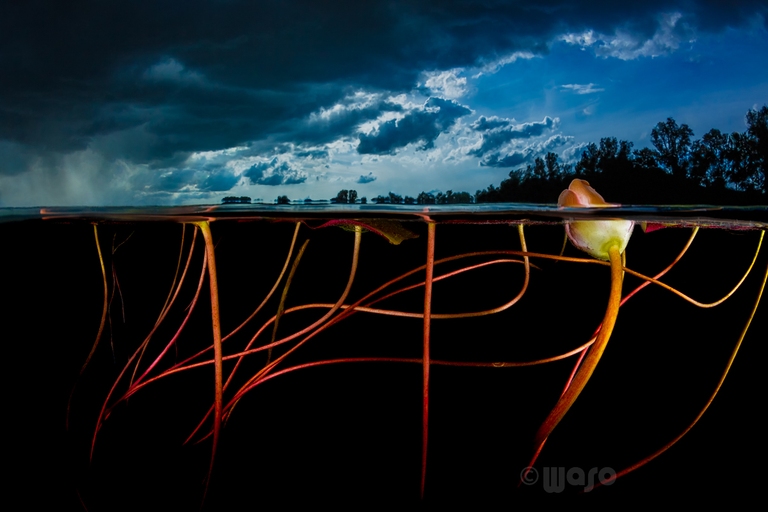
(351,433)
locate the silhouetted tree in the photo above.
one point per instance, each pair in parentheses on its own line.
(453,198)
(489,195)
(611,156)
(345,197)
(342,197)
(710,159)
(538,171)
(460,198)
(509,188)
(718,167)
(236,200)
(425,198)
(757,122)
(552,165)
(283,200)
(645,159)
(625,150)
(673,144)
(588,163)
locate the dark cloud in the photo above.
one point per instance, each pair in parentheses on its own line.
(500,131)
(14,158)
(342,119)
(489,123)
(313,154)
(219,181)
(509,160)
(218,74)
(173,181)
(274,173)
(366,178)
(419,125)
(525,155)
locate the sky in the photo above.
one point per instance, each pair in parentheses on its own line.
(153,102)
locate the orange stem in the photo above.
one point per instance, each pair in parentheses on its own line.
(592,358)
(205,228)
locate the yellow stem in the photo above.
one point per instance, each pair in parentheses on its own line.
(695,302)
(272,291)
(205,228)
(329,314)
(728,365)
(104,305)
(101,325)
(284,296)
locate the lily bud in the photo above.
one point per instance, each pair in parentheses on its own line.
(595,237)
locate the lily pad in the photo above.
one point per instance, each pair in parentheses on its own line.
(392,230)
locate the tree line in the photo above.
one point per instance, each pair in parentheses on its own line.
(718,168)
(449,197)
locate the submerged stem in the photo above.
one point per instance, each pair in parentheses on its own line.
(106,300)
(101,324)
(319,323)
(274,287)
(695,302)
(425,361)
(592,358)
(281,306)
(728,365)
(629,296)
(173,293)
(103,413)
(205,228)
(190,310)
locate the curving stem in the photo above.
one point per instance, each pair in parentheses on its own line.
(728,365)
(101,325)
(592,358)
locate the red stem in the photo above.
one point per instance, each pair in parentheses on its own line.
(425,360)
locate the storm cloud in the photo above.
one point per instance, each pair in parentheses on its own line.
(274,173)
(417,126)
(525,155)
(148,85)
(497,132)
(367,178)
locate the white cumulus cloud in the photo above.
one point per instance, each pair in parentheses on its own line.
(446,84)
(625,44)
(582,88)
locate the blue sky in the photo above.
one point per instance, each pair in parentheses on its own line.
(139,103)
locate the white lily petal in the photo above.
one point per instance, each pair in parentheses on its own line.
(595,237)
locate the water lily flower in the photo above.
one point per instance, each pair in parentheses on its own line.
(595,237)
(604,240)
